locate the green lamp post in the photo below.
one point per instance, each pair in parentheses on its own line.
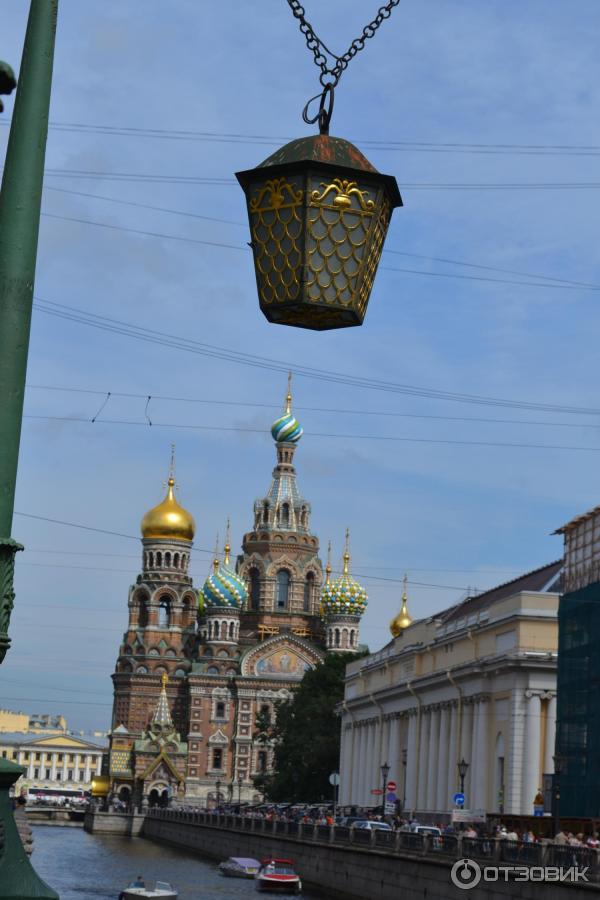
(20,201)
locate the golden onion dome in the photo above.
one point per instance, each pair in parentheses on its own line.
(169,521)
(403,619)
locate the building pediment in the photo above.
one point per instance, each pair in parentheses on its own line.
(60,741)
(218,738)
(282,657)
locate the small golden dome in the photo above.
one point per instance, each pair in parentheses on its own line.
(403,619)
(169,520)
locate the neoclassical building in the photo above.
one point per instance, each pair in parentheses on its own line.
(197,669)
(476,682)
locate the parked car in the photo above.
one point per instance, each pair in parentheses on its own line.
(371,825)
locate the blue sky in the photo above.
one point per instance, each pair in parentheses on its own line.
(452,515)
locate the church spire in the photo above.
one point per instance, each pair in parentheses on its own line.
(162,714)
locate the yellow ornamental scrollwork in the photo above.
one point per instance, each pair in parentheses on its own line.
(344,190)
(278,192)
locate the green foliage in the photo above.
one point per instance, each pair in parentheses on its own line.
(306,736)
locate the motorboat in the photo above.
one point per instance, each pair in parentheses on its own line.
(239,867)
(161,889)
(277,876)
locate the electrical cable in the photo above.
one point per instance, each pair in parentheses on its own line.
(445,260)
(215,352)
(381,144)
(321,434)
(318,409)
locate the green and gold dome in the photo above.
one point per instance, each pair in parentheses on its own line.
(344,596)
(223,587)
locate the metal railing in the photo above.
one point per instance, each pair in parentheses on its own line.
(486,850)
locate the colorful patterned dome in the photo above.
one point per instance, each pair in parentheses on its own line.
(224,587)
(344,596)
(286,427)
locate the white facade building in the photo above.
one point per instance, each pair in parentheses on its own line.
(475,682)
(53,762)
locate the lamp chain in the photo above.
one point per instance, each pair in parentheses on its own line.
(331,74)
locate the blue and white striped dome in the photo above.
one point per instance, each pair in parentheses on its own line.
(224,588)
(286,428)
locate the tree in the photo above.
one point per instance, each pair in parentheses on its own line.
(306,736)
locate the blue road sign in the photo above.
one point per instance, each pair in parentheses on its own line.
(459,799)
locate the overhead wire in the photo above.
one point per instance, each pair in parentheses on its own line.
(319,434)
(384,413)
(214,351)
(387,250)
(501,148)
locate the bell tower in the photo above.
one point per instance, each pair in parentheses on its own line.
(280,561)
(162,613)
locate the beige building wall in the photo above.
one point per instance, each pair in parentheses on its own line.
(477,681)
(13,721)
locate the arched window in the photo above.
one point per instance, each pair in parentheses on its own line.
(143,612)
(352,637)
(254,589)
(164,611)
(176,560)
(283,588)
(159,559)
(284,516)
(151,560)
(231,630)
(224,631)
(337,637)
(265,512)
(309,589)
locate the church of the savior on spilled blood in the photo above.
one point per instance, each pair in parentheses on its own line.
(196,669)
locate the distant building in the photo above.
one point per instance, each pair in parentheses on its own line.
(53,761)
(476,682)
(37,723)
(578,726)
(199,674)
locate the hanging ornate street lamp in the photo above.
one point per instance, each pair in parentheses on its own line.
(319,211)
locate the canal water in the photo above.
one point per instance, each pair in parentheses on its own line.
(82,866)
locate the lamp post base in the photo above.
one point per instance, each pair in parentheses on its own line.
(18,880)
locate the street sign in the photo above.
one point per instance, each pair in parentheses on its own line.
(334,779)
(391,797)
(469,815)
(459,799)
(392,786)
(377,791)
(390,808)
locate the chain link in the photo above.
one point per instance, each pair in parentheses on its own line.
(330,75)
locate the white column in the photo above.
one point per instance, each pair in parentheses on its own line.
(394,752)
(432,759)
(411,763)
(88,762)
(550,735)
(76,767)
(451,772)
(373,778)
(442,801)
(466,748)
(53,767)
(515,757)
(423,759)
(357,774)
(531,750)
(345,762)
(479,778)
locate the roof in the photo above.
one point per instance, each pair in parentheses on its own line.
(70,742)
(578,520)
(546,579)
